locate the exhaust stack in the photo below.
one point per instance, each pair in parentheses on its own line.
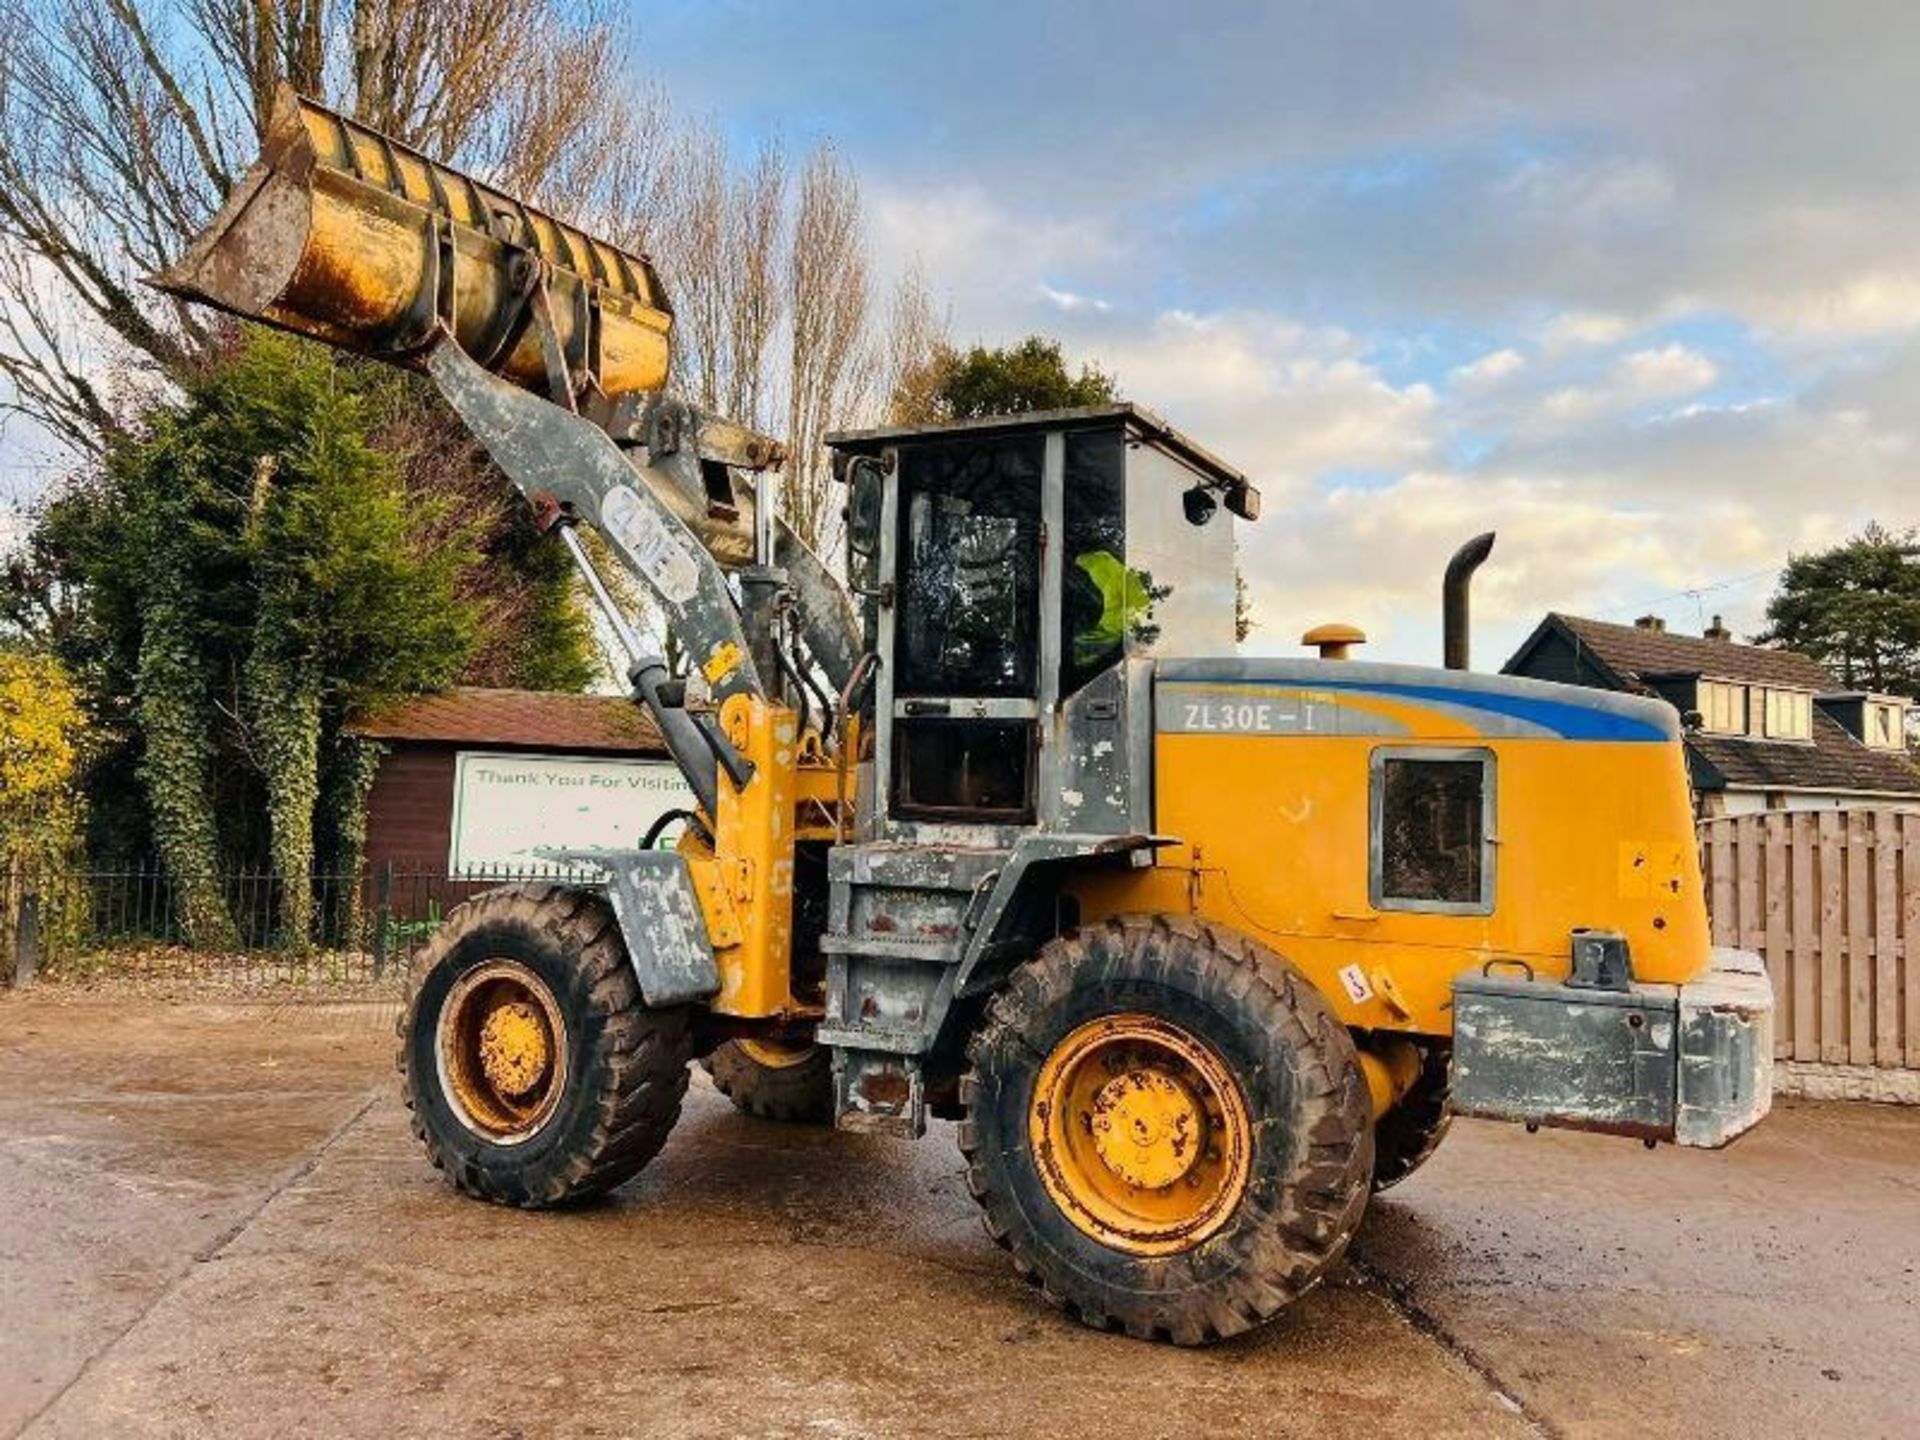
(1454,606)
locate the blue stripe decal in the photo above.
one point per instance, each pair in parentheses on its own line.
(1568,720)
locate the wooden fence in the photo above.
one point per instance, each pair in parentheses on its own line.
(1831,898)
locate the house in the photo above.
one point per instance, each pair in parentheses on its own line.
(1766,729)
(471,781)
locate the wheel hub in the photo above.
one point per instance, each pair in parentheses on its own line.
(513,1048)
(1141,1134)
(502,1049)
(1147,1127)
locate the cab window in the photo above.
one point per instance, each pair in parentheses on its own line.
(969,574)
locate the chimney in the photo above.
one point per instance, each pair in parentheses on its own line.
(1717,631)
(1650,622)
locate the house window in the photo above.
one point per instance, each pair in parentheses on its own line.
(1723,707)
(1886,725)
(1789,715)
(1432,830)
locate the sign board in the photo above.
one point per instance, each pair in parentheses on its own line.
(506,806)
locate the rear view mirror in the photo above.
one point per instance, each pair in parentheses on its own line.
(865,482)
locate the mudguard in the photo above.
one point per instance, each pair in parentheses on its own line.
(659,917)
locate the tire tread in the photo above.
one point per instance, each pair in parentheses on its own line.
(638,1064)
(1303,1233)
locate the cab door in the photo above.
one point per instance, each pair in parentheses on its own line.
(966,640)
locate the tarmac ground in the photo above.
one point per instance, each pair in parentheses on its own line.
(213,1221)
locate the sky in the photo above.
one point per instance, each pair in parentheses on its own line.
(1636,286)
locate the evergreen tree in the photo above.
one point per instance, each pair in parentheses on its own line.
(245,574)
(1010,380)
(1856,609)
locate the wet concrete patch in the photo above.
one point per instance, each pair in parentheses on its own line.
(758,1280)
(1769,1289)
(131,1140)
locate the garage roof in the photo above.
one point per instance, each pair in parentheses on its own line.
(519,719)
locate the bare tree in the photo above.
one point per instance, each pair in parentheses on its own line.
(757,225)
(832,358)
(916,333)
(685,237)
(716,232)
(123,123)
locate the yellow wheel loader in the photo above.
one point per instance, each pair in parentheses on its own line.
(1199,950)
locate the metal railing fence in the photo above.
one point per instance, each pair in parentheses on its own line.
(238,931)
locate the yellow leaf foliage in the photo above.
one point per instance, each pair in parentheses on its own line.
(42,735)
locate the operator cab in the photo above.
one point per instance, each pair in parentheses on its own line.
(1014,688)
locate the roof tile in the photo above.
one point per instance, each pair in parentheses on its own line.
(1834,760)
(1633,654)
(530,719)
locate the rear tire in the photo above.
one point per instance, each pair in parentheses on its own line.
(535,1074)
(1207,1059)
(1406,1136)
(796,1087)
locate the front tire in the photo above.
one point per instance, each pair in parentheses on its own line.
(535,1074)
(1168,1128)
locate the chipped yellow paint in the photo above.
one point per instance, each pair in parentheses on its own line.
(338,232)
(776,1054)
(753,847)
(744,883)
(724,660)
(514,1050)
(1391,1067)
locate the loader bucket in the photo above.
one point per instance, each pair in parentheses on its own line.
(342,234)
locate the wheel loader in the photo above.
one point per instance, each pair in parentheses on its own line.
(1199,950)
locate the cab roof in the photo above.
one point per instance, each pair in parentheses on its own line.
(1141,424)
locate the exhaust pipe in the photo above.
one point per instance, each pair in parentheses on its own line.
(1453,598)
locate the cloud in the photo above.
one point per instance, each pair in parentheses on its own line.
(1865,305)
(1068,301)
(1580,329)
(1626,463)
(1467,160)
(1689,511)
(1614,190)
(973,249)
(1668,371)
(1630,384)
(1282,400)
(1490,370)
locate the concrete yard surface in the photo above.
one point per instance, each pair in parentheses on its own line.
(213,1221)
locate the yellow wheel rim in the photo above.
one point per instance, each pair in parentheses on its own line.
(776,1054)
(502,1051)
(1141,1134)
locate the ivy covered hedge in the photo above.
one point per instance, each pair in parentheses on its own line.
(254,563)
